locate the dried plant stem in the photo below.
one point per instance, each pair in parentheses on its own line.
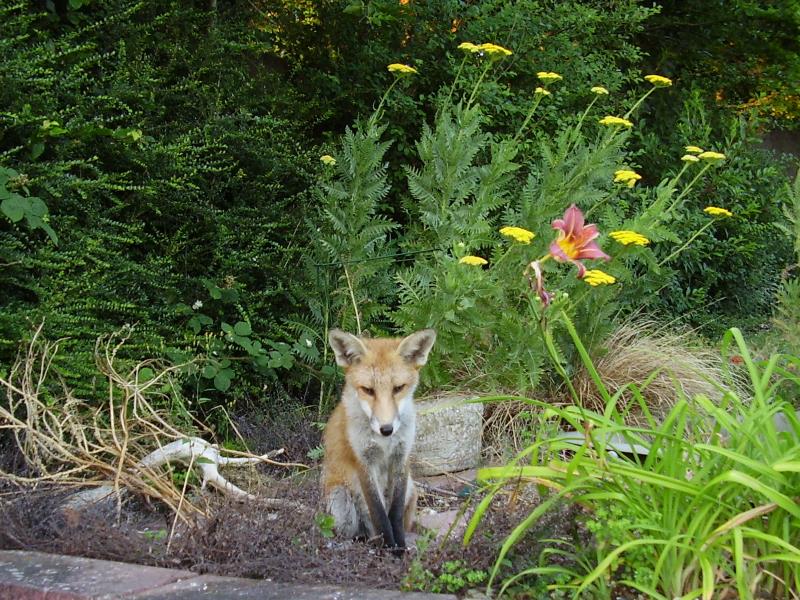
(122,444)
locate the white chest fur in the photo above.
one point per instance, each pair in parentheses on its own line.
(383,457)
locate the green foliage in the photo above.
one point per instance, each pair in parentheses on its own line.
(325,524)
(731,273)
(17,207)
(453,576)
(709,508)
(746,54)
(787,312)
(160,161)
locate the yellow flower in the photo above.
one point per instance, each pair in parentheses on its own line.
(711,156)
(547,76)
(626,176)
(469,47)
(599,90)
(658,80)
(541,92)
(401,69)
(327,159)
(494,50)
(595,277)
(716,211)
(689,158)
(693,149)
(519,234)
(627,237)
(473,261)
(618,121)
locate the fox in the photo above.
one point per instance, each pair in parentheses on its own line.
(366,483)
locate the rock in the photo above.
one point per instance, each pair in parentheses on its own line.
(453,521)
(448,438)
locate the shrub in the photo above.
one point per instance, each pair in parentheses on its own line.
(168,177)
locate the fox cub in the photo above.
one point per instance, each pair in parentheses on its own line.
(366,484)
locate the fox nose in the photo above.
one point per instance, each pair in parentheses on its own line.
(386,430)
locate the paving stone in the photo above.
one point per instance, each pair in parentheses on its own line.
(39,576)
(209,587)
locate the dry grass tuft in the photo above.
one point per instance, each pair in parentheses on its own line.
(60,439)
(661,362)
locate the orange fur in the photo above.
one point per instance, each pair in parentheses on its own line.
(369,435)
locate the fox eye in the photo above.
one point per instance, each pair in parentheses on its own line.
(398,388)
(368,390)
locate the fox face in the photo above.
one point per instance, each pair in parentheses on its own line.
(382,374)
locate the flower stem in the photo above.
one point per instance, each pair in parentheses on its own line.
(685,190)
(638,102)
(536,102)
(455,81)
(478,83)
(376,115)
(577,130)
(686,245)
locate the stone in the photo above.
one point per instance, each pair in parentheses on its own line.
(449,430)
(36,576)
(210,587)
(453,521)
(39,576)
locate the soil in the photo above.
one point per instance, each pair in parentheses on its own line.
(256,539)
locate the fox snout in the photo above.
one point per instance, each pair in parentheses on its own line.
(383,416)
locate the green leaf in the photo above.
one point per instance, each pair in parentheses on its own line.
(36,150)
(222,382)
(210,371)
(50,233)
(146,374)
(14,207)
(242,328)
(36,206)
(202,460)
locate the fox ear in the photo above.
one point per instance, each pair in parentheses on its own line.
(416,347)
(347,348)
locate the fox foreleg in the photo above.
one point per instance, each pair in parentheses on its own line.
(397,509)
(381,524)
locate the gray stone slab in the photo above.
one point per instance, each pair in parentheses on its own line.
(39,576)
(209,587)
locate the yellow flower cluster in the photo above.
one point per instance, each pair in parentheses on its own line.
(401,69)
(595,277)
(693,149)
(473,261)
(540,91)
(327,159)
(615,121)
(716,211)
(547,76)
(627,237)
(626,176)
(518,234)
(711,156)
(658,80)
(599,90)
(490,49)
(689,158)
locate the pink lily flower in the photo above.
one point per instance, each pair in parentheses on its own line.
(575,240)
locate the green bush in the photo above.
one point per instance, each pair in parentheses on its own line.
(164,165)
